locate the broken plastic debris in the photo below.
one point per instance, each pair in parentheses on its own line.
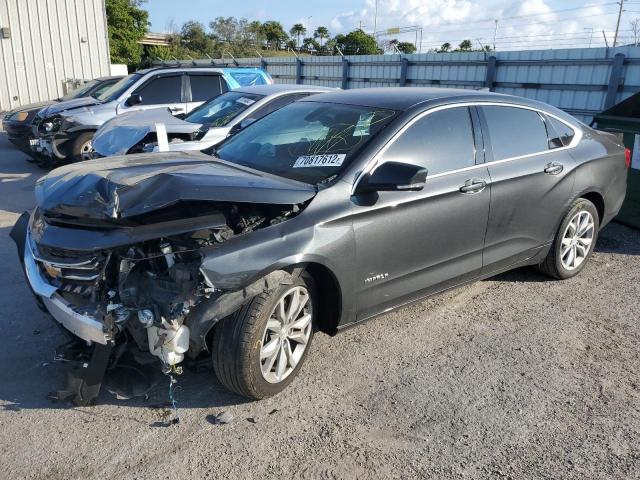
(222,418)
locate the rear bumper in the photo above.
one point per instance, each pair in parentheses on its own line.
(83,326)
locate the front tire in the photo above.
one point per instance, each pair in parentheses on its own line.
(82,147)
(258,351)
(574,242)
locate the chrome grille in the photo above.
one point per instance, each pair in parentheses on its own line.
(69,270)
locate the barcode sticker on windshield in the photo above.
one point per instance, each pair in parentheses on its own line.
(363,126)
(333,160)
(245,101)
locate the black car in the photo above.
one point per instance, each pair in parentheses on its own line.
(17,122)
(323,214)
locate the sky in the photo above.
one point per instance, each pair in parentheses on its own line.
(521,24)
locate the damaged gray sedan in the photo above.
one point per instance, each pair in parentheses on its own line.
(323,214)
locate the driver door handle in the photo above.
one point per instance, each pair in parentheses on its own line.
(473,185)
(176,109)
(553,168)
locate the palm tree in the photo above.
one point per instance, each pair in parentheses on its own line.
(298,30)
(321,33)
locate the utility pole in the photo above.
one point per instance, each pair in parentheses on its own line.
(615,37)
(495,32)
(375,19)
(590,30)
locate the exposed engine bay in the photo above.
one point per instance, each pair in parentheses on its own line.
(146,291)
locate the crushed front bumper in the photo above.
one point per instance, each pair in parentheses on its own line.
(83,326)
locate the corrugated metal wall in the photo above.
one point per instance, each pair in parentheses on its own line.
(51,41)
(580,81)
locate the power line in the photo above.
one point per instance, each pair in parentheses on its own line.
(552,12)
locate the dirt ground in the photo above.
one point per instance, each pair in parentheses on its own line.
(514,377)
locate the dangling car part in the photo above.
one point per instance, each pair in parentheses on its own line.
(323,214)
(204,127)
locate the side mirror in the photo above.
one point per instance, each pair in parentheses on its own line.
(246,122)
(392,177)
(240,126)
(134,99)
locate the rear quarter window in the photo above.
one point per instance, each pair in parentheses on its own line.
(515,132)
(560,134)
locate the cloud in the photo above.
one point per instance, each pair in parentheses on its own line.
(521,24)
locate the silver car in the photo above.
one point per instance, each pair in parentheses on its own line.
(204,127)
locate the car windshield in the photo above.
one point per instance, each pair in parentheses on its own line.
(311,142)
(117,89)
(221,110)
(81,91)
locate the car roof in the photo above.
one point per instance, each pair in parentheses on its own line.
(281,87)
(113,77)
(191,67)
(404,98)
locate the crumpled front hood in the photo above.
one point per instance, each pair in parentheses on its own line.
(68,105)
(122,132)
(126,186)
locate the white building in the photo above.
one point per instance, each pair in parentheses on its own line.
(47,46)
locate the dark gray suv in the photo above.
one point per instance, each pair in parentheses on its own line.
(321,215)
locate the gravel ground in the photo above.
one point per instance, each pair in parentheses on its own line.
(514,377)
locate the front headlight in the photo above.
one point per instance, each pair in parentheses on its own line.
(51,124)
(18,116)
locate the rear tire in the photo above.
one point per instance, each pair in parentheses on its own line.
(574,242)
(255,353)
(81,148)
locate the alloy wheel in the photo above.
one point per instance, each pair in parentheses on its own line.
(86,151)
(577,240)
(286,335)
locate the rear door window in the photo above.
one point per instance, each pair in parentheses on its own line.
(515,132)
(440,142)
(204,87)
(560,134)
(162,90)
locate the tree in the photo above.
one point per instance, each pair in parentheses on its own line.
(310,44)
(127,24)
(446,47)
(357,43)
(405,47)
(465,46)
(291,44)
(225,29)
(274,33)
(321,33)
(194,38)
(298,30)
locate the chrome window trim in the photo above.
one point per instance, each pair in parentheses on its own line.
(375,161)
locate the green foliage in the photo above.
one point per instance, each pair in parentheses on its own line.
(465,46)
(298,31)
(321,33)
(274,34)
(194,39)
(127,24)
(357,43)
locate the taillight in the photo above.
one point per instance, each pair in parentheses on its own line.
(627,157)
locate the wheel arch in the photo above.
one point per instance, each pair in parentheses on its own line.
(330,293)
(597,199)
